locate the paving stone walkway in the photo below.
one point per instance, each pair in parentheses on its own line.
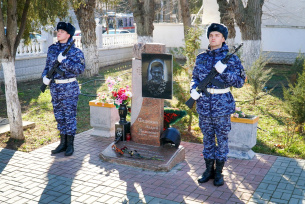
(39,177)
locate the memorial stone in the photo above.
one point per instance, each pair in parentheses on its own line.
(146,113)
(147,119)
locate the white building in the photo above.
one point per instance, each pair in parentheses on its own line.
(283,29)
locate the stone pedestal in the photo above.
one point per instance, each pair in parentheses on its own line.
(147,116)
(242,137)
(148,126)
(103,117)
(154,158)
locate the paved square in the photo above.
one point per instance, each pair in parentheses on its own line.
(39,177)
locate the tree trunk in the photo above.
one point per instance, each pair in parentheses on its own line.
(12,100)
(227,18)
(186,17)
(8,47)
(143,13)
(249,20)
(85,17)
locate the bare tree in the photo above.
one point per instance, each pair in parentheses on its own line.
(111,4)
(227,18)
(85,15)
(186,17)
(143,12)
(249,19)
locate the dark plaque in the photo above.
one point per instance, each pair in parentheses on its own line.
(121,130)
(157,76)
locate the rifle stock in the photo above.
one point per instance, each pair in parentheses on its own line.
(43,88)
(190,103)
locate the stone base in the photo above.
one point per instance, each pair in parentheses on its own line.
(242,137)
(169,156)
(103,117)
(241,154)
(5,125)
(102,133)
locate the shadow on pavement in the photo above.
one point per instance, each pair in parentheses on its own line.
(5,157)
(84,177)
(7,154)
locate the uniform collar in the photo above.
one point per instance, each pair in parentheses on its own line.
(64,44)
(218,51)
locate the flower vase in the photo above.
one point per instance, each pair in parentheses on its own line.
(123,113)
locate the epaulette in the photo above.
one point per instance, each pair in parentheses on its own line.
(201,53)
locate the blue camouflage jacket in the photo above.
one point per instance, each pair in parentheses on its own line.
(217,105)
(72,66)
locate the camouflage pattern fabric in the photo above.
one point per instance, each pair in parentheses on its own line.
(220,127)
(216,105)
(215,110)
(65,96)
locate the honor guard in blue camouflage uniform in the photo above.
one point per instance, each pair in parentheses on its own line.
(215,109)
(64,89)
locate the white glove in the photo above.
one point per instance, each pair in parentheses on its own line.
(60,57)
(220,67)
(195,95)
(46,80)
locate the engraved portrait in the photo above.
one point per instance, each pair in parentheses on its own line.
(157,76)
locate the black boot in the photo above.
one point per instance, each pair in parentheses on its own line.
(70,146)
(62,145)
(209,172)
(218,181)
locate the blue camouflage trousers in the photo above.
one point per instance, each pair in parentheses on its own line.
(64,100)
(219,127)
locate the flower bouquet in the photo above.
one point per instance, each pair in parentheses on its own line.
(239,114)
(116,94)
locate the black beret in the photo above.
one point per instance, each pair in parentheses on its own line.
(218,27)
(67,27)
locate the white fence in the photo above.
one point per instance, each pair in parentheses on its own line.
(115,40)
(31,59)
(110,40)
(36,47)
(39,46)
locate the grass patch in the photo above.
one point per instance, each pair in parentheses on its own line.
(37,107)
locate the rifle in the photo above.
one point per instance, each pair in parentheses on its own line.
(210,78)
(55,68)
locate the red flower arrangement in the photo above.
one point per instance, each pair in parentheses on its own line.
(172,115)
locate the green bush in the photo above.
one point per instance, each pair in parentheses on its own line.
(295,100)
(183,74)
(258,76)
(297,66)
